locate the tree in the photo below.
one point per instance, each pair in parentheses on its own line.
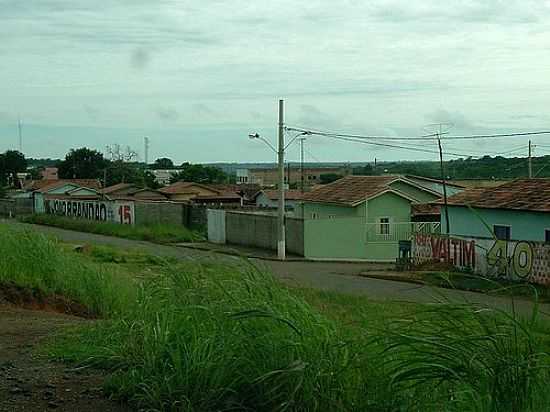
(82,163)
(199,174)
(329,178)
(11,163)
(163,163)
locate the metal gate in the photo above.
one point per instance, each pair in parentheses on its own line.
(216,226)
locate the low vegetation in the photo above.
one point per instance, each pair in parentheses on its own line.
(159,233)
(199,337)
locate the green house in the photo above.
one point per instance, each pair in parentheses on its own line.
(365,217)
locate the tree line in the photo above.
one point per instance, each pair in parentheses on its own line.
(85,163)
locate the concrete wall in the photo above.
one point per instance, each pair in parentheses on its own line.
(513,260)
(150,213)
(16,207)
(524,225)
(260,231)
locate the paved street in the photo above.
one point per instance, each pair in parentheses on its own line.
(330,276)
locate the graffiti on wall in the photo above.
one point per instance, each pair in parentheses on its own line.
(99,211)
(488,257)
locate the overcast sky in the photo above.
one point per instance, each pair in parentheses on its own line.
(198,76)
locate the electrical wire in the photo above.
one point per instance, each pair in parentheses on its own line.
(425,137)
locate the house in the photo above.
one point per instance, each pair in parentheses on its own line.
(131,191)
(517,210)
(200,194)
(270,199)
(62,189)
(163,176)
(364,217)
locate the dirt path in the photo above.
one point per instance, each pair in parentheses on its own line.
(30,382)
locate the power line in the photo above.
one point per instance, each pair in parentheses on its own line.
(425,137)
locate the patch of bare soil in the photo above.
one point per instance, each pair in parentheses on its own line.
(35,299)
(32,383)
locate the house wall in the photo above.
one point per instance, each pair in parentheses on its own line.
(419,195)
(345,236)
(263,201)
(524,225)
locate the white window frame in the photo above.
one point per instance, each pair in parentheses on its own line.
(379,225)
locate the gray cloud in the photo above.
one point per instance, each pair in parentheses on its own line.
(167,114)
(140,58)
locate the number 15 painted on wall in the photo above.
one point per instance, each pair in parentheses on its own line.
(125,215)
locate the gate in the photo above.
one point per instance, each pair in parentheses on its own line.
(216,225)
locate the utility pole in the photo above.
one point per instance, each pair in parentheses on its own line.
(530,161)
(448,229)
(146,150)
(20,135)
(302,139)
(281,244)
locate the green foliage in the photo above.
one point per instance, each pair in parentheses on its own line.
(329,178)
(163,163)
(11,163)
(82,163)
(34,261)
(159,233)
(199,174)
(208,336)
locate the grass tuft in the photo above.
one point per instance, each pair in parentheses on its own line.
(159,233)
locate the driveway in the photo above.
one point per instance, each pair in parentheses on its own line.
(327,276)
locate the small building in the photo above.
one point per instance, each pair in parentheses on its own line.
(517,210)
(364,217)
(270,199)
(269,177)
(131,191)
(163,176)
(201,194)
(62,189)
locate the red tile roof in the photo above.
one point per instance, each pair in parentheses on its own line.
(350,189)
(117,187)
(51,183)
(289,194)
(521,194)
(183,187)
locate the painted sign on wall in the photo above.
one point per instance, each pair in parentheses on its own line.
(488,257)
(99,211)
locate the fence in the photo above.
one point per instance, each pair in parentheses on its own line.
(394,232)
(15,207)
(256,230)
(512,260)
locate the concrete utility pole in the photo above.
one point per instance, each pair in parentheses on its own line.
(530,161)
(146,149)
(281,244)
(19,127)
(302,139)
(448,231)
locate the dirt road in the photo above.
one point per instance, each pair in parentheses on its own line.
(329,276)
(30,382)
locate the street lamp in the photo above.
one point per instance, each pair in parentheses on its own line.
(281,239)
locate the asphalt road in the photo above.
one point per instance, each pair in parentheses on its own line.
(329,276)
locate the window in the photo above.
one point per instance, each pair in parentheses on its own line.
(502,232)
(384,225)
(547,235)
(315,215)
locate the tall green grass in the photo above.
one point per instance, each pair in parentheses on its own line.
(201,337)
(160,233)
(33,261)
